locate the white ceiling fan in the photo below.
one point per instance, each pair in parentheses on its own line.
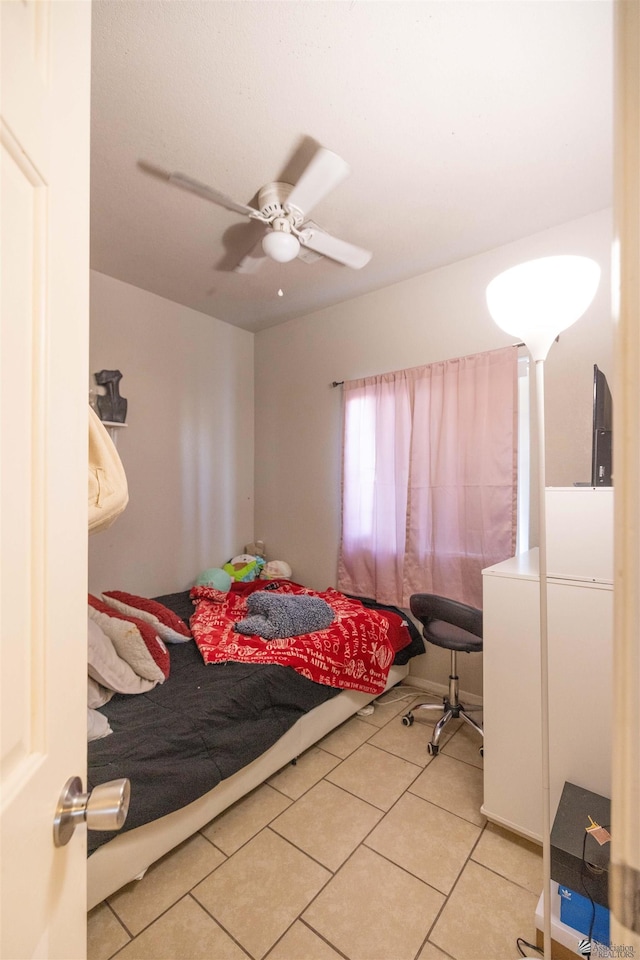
(284,209)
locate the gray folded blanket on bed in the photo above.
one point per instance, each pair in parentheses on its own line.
(274,616)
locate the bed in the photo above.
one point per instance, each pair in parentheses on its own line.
(212,732)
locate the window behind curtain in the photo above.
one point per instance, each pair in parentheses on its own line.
(429,478)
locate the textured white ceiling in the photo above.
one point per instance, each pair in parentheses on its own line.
(466,125)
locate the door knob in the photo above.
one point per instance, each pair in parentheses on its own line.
(104,808)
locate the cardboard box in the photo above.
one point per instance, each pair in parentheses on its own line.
(577,912)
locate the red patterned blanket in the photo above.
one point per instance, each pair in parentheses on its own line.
(354,653)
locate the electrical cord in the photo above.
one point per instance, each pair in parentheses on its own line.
(583,868)
(409,696)
(586,868)
(382,700)
(520,942)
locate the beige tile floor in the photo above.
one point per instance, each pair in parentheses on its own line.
(366,849)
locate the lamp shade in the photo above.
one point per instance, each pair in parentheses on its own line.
(280,246)
(536,301)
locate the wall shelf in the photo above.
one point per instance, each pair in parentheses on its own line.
(112,427)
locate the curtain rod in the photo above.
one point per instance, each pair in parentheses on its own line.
(338,383)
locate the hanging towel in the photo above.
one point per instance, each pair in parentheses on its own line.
(108,491)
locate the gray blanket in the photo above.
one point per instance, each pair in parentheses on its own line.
(275,616)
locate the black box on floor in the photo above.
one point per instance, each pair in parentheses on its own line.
(570,843)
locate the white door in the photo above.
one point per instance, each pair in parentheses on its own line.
(624,881)
(44,323)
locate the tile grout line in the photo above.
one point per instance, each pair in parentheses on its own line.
(334,873)
(190,894)
(315,933)
(269,826)
(124,927)
(453,887)
(362,842)
(375,730)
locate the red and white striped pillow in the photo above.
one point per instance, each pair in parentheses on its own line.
(168,625)
(135,641)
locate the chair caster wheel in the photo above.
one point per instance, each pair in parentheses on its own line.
(407,720)
(432,749)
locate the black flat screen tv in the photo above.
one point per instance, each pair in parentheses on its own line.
(601,448)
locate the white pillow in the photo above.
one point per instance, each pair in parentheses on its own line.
(97,695)
(107,668)
(135,641)
(97,725)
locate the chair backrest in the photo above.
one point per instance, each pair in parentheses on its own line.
(448,623)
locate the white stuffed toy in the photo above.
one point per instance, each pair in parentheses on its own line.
(244,567)
(276,570)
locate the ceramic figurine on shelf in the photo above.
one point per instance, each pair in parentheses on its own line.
(111,406)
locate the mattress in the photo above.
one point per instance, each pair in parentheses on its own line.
(201,740)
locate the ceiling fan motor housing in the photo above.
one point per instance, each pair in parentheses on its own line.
(272,203)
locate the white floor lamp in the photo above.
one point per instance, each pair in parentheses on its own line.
(535,302)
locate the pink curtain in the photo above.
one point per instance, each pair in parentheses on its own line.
(429,478)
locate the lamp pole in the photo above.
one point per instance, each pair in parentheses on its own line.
(535,302)
(544,660)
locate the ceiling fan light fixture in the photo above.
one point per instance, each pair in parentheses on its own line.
(280,246)
(283,208)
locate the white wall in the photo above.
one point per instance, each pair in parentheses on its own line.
(188,447)
(188,444)
(432,317)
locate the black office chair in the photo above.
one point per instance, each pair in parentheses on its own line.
(456,627)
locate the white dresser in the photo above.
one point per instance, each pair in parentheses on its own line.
(580,622)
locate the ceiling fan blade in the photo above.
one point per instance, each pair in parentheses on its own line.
(325,172)
(209,193)
(252,261)
(335,249)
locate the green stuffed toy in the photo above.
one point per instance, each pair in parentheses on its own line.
(244,567)
(214,577)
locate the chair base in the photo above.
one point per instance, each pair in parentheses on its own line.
(450,711)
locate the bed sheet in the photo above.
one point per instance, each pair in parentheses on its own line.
(204,723)
(354,652)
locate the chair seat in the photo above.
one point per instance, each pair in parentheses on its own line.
(448,623)
(450,637)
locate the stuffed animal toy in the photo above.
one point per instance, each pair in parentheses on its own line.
(245,567)
(274,616)
(276,570)
(216,578)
